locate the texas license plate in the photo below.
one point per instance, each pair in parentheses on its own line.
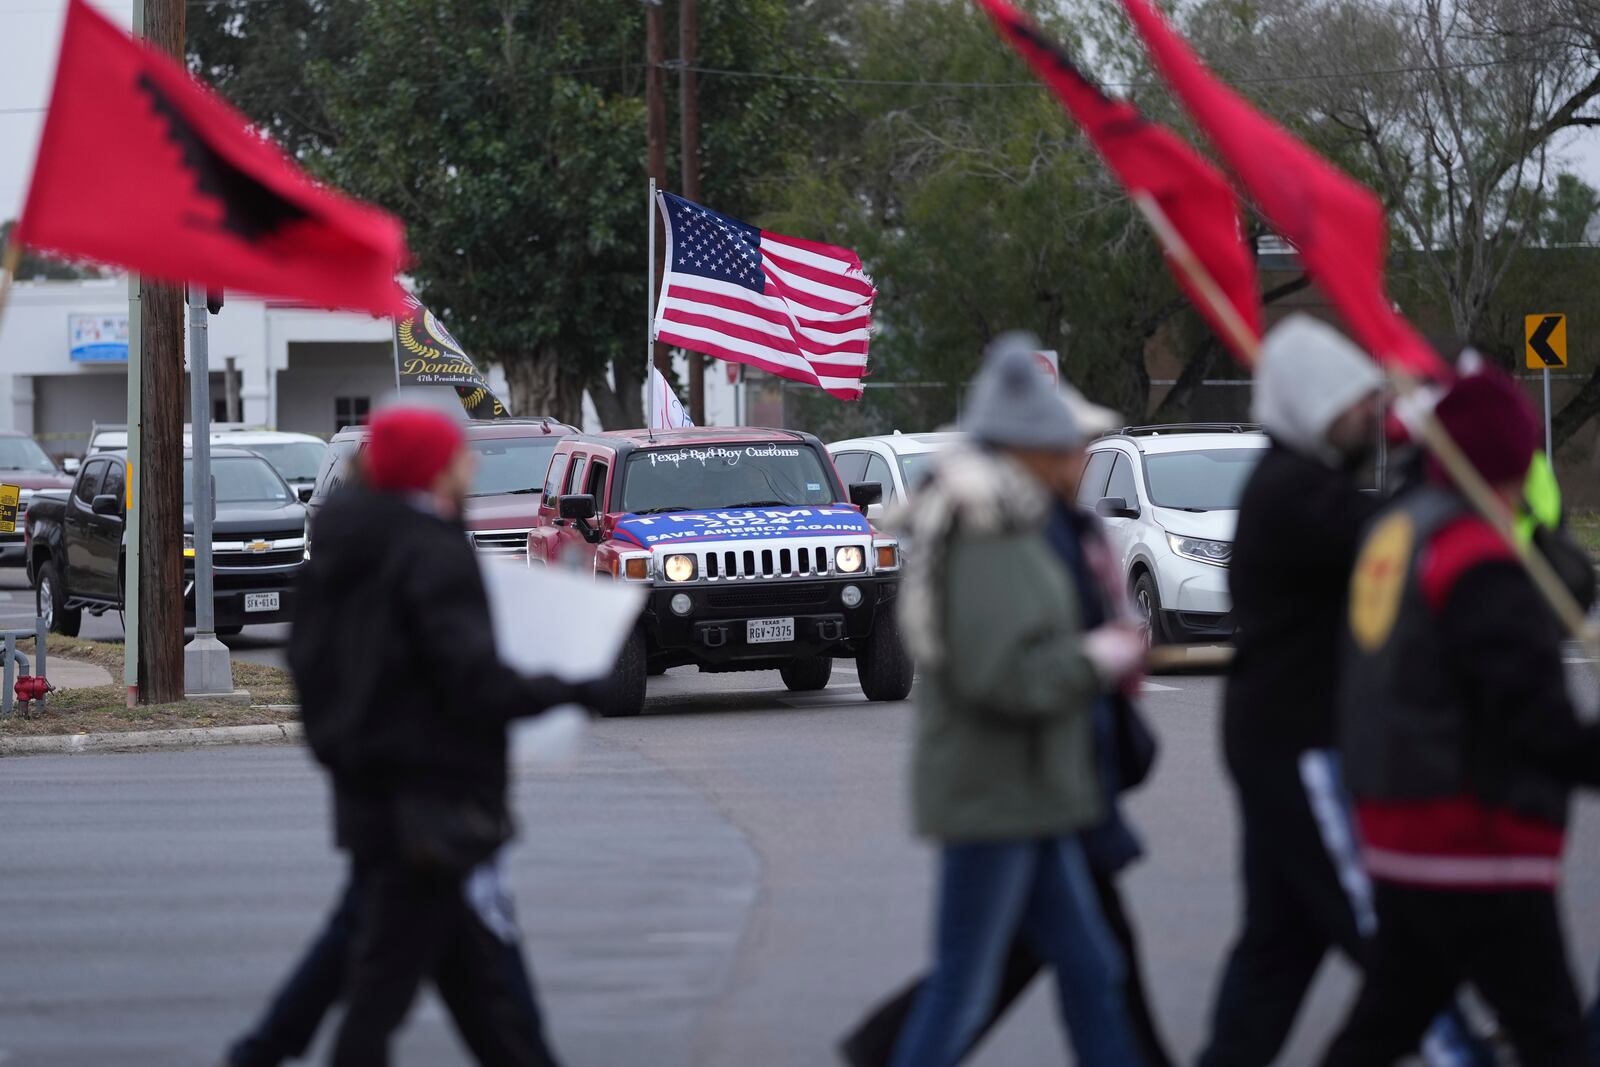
(768,631)
(261,601)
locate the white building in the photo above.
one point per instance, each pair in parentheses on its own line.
(64,364)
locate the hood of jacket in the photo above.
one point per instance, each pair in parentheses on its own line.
(976,491)
(1308,375)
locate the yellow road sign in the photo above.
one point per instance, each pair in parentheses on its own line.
(1546,336)
(10,495)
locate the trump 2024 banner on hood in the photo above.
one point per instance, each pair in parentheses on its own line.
(428,355)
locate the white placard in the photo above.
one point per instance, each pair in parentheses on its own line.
(557,622)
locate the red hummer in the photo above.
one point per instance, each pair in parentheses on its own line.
(755,556)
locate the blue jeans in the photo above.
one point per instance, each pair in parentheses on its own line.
(987,894)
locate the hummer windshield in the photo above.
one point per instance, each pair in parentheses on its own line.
(706,477)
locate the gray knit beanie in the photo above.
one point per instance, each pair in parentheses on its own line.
(1013,404)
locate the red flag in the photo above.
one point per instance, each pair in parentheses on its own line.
(1153,162)
(1335,223)
(144,167)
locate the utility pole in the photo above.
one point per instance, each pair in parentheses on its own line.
(689,121)
(656,142)
(160,461)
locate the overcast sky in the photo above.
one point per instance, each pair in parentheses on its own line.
(31,31)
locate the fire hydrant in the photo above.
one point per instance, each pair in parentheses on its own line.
(32,687)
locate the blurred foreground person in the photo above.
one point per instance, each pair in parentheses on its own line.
(1300,522)
(1125,752)
(1461,746)
(407,704)
(1003,765)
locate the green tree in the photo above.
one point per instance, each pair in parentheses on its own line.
(1569,212)
(33,266)
(509,135)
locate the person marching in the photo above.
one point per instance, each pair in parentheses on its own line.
(1461,746)
(407,703)
(1125,753)
(1003,774)
(1300,522)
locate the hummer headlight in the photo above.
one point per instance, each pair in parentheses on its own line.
(678,568)
(850,559)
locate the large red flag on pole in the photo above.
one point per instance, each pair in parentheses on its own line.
(1186,199)
(1335,223)
(143,167)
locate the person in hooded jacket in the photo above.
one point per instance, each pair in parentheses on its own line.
(1125,752)
(407,703)
(1003,773)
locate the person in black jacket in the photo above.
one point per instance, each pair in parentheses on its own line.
(1461,746)
(1300,522)
(407,704)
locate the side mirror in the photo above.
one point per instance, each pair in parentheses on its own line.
(865,494)
(71,465)
(578,506)
(305,492)
(106,504)
(1115,507)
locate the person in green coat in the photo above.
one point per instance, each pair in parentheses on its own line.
(1003,769)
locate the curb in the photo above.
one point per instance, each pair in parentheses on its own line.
(74,744)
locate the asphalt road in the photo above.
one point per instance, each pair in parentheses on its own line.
(727,880)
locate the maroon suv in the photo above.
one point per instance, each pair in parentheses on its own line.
(513,455)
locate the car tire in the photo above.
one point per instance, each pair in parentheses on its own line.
(624,691)
(49,600)
(885,667)
(1147,602)
(229,631)
(807,674)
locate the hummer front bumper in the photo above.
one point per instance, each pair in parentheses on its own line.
(713,633)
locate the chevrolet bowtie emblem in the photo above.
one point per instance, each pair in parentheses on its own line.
(258,547)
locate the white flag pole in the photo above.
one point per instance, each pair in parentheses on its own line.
(650,307)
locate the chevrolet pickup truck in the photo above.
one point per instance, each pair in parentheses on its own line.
(754,556)
(75,552)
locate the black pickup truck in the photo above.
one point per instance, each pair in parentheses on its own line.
(75,540)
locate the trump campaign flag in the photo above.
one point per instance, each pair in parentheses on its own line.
(426,354)
(143,167)
(666,410)
(1336,224)
(795,308)
(1153,163)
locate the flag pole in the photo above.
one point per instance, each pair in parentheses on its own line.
(1435,438)
(650,307)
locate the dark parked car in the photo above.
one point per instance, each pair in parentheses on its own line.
(76,540)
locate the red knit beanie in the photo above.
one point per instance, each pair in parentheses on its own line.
(1493,421)
(408,447)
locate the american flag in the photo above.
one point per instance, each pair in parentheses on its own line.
(795,308)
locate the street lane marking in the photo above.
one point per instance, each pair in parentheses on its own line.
(1157,687)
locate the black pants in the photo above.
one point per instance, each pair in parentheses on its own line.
(414,924)
(1295,910)
(318,980)
(872,1043)
(1507,944)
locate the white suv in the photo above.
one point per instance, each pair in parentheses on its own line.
(897,461)
(1169,497)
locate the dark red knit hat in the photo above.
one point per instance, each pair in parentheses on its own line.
(408,447)
(1493,421)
